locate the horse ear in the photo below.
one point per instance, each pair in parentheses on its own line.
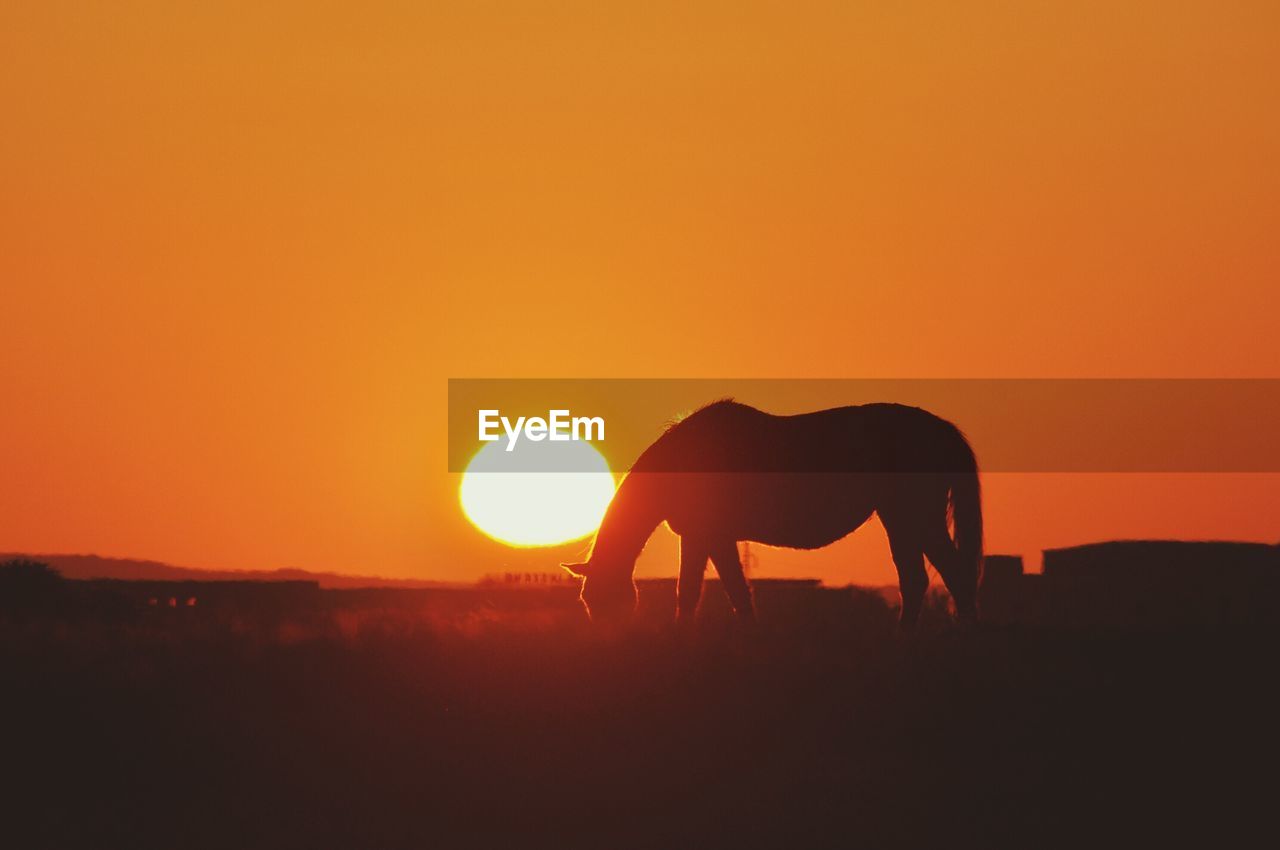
(575,570)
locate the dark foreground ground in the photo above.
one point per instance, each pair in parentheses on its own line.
(372,725)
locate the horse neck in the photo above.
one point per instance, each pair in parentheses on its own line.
(631,518)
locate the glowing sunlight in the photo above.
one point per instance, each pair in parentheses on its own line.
(536,508)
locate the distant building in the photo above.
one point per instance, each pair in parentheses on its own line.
(1141,583)
(1164,560)
(1003,588)
(531,579)
(209,598)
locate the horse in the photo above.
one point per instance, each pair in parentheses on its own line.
(729,472)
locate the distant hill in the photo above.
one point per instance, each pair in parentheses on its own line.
(94,566)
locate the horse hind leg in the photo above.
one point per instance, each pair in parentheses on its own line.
(913,581)
(962,584)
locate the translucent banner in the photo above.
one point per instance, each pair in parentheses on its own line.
(1012,425)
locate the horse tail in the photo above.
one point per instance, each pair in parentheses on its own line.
(966,509)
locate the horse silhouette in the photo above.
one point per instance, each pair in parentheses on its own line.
(729,472)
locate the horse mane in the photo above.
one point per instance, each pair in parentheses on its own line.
(677,431)
(701,412)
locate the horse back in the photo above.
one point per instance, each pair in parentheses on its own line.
(861,439)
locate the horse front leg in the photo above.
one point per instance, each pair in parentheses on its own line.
(693,566)
(729,565)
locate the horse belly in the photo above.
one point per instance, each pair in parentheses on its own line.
(814,533)
(799,512)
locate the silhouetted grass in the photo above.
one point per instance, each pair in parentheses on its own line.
(505,720)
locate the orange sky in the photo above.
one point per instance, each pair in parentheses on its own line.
(242,248)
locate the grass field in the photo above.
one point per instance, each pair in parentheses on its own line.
(512,723)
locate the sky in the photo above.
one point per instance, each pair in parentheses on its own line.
(244,246)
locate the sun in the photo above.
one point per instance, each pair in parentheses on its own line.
(516,498)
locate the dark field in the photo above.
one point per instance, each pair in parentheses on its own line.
(497,718)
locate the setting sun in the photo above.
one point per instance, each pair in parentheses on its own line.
(533,507)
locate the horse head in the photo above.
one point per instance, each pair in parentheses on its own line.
(608,590)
